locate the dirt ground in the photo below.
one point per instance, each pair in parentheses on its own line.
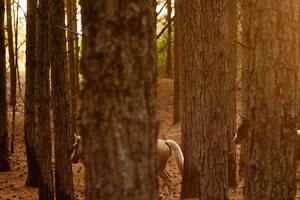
(12,184)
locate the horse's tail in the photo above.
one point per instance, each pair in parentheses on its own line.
(178,153)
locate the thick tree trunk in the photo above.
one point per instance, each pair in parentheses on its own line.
(230,17)
(63,137)
(176,70)
(4,161)
(46,189)
(274,102)
(204,135)
(118,118)
(30,115)
(245,77)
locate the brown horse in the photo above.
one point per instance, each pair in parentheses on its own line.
(165,149)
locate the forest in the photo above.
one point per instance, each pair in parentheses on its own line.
(150,99)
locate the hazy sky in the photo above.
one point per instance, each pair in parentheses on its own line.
(23,4)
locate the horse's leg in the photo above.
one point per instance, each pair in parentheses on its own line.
(168,181)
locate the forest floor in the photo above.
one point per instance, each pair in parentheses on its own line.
(12,183)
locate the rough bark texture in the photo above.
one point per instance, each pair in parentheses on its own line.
(176,71)
(274,102)
(245,76)
(46,188)
(4,161)
(72,65)
(118,118)
(230,17)
(204,135)
(63,137)
(154,46)
(33,177)
(13,77)
(83,39)
(16,66)
(76,48)
(169,40)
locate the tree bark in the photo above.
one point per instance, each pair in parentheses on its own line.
(4,160)
(13,77)
(245,77)
(118,114)
(176,71)
(230,17)
(204,135)
(169,40)
(154,47)
(46,189)
(274,91)
(71,64)
(63,137)
(12,66)
(30,115)
(76,49)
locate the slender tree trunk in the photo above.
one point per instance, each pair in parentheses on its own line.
(13,76)
(76,46)
(30,115)
(46,189)
(72,65)
(169,40)
(118,116)
(154,47)
(230,17)
(176,71)
(204,136)
(13,79)
(83,39)
(4,161)
(274,102)
(63,137)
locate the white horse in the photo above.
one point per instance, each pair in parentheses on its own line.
(165,149)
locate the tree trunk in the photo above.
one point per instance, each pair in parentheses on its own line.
(83,39)
(63,137)
(76,49)
(13,74)
(30,115)
(274,90)
(4,161)
(13,77)
(230,16)
(154,47)
(71,65)
(16,70)
(245,77)
(46,189)
(204,135)
(169,41)
(176,71)
(118,116)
